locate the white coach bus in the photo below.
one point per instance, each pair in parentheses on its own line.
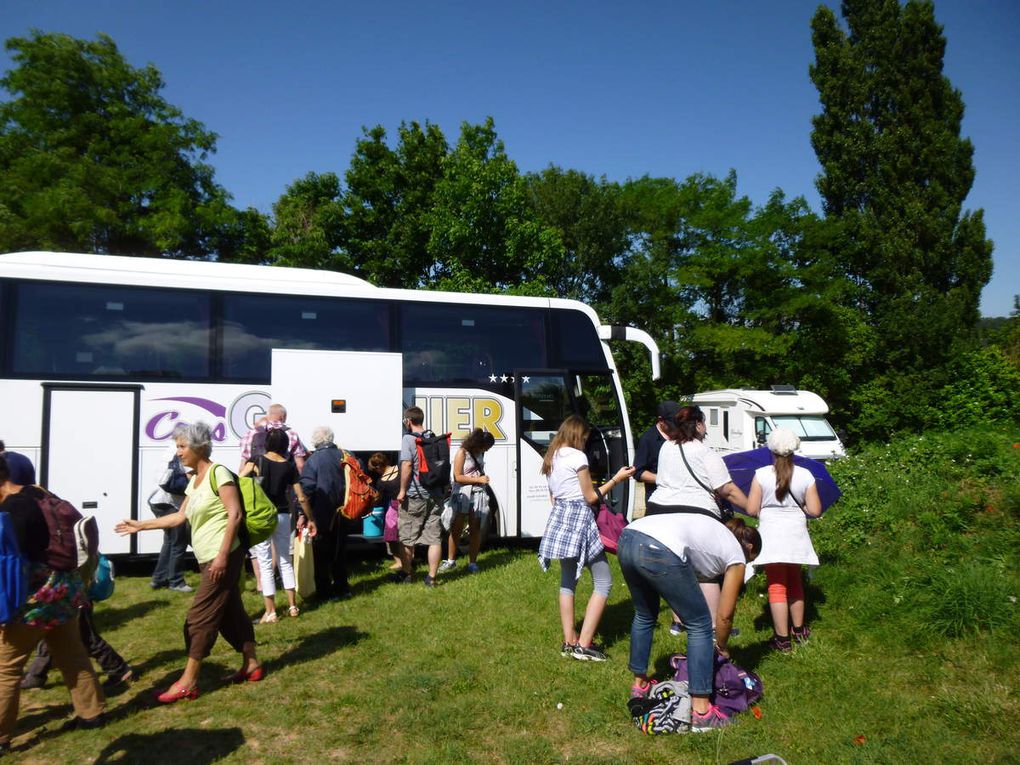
(102,355)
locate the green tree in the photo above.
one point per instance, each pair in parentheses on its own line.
(92,158)
(895,173)
(308,221)
(588,218)
(484,235)
(389,197)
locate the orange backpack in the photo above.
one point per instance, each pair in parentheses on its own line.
(359,495)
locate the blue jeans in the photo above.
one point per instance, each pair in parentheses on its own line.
(652,571)
(169,569)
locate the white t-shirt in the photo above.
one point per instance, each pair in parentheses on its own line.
(799,483)
(674,484)
(563,483)
(703,542)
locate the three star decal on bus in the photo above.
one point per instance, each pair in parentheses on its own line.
(506,378)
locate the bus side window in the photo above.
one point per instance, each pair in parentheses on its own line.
(761,430)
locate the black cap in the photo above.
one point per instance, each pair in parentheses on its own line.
(667,410)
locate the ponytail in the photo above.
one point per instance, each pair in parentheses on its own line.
(747,536)
(783,465)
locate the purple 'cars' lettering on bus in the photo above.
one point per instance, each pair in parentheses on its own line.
(217,410)
(161,425)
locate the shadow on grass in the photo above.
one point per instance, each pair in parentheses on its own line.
(111,618)
(813,597)
(616,621)
(372,578)
(317,645)
(197,746)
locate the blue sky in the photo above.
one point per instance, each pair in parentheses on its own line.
(608,88)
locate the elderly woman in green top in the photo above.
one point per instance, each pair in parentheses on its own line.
(213,507)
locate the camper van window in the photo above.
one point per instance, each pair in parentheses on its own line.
(713,416)
(761,429)
(808,427)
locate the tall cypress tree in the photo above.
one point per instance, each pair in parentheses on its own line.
(895,173)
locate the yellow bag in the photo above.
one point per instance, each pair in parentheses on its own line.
(304,565)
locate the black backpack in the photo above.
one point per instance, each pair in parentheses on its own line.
(433,460)
(174,480)
(258,442)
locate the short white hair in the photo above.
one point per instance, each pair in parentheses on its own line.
(783,441)
(198,437)
(322,435)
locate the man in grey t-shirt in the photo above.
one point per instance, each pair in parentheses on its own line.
(418,517)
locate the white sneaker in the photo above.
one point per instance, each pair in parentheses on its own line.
(446,565)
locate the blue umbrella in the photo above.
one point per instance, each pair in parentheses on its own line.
(743,464)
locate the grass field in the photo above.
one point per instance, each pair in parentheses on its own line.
(914,656)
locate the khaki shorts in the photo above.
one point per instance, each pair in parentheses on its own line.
(418,521)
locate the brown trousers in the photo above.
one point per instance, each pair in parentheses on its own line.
(218,608)
(18,641)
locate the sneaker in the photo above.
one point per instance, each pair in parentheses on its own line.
(157,585)
(182,587)
(446,565)
(32,681)
(473,568)
(594,652)
(801,634)
(781,644)
(638,691)
(429,581)
(567,649)
(117,681)
(711,720)
(676,628)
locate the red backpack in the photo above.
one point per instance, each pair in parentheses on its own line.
(359,494)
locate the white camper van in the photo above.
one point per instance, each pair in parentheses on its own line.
(739,420)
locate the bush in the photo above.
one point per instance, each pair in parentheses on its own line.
(985,387)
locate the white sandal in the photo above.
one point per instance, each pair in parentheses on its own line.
(294,611)
(269,617)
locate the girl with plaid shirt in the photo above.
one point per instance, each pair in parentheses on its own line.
(572,537)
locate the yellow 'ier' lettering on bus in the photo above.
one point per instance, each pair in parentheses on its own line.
(458,417)
(488,412)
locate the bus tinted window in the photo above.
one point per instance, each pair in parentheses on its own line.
(255,324)
(469,344)
(110,331)
(577,344)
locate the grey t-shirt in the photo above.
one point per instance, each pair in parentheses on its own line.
(409,453)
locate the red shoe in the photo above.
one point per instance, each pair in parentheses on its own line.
(177,692)
(243,676)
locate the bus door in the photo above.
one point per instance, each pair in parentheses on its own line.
(90,453)
(544,399)
(594,398)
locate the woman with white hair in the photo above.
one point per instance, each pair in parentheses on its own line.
(322,480)
(212,505)
(784,496)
